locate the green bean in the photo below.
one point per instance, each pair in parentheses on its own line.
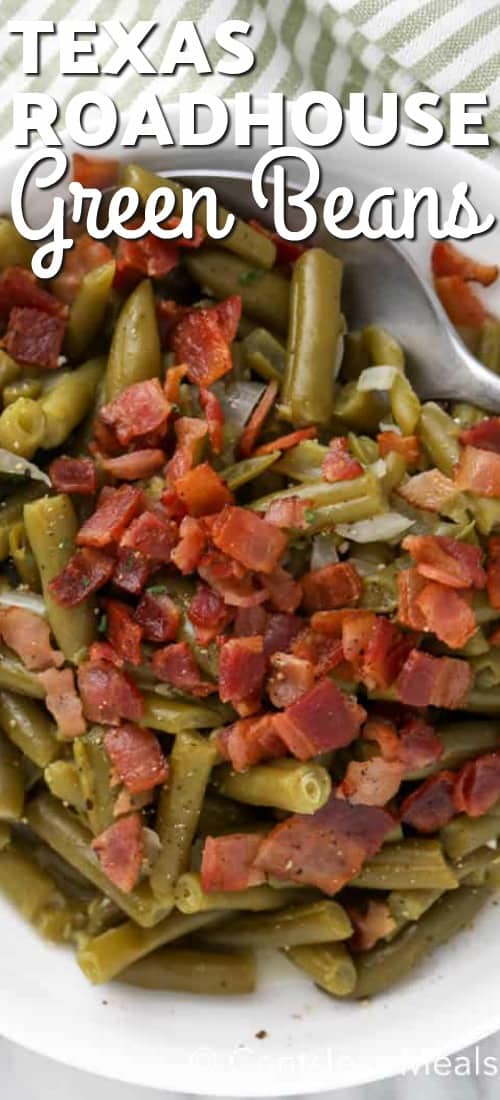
(5,835)
(61,925)
(243,240)
(320,494)
(191,763)
(405,405)
(15,250)
(63,782)
(410,905)
(488,345)
(135,353)
(94,770)
(463,834)
(363,448)
(22,427)
(474,869)
(486,669)
(467,415)
(190,897)
(249,468)
(482,702)
(461,741)
(388,963)
(283,784)
(51,526)
(307,391)
(20,552)
(328,964)
(107,955)
(439,434)
(263,354)
(21,387)
(176,716)
(88,309)
(265,294)
(221,815)
(102,914)
(355,358)
(360,410)
(15,677)
(29,727)
(303,462)
(11,782)
(26,884)
(68,399)
(486,513)
(380,591)
(10,370)
(407,865)
(187,970)
(11,511)
(61,830)
(315,922)
(382,348)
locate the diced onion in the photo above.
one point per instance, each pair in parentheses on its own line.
(238,400)
(389,525)
(14,597)
(14,466)
(379,468)
(377,378)
(324,551)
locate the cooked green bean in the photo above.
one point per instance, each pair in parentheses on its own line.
(359,410)
(307,391)
(190,897)
(302,462)
(26,885)
(265,294)
(29,727)
(94,771)
(439,434)
(187,970)
(463,834)
(67,400)
(11,781)
(320,494)
(461,741)
(102,914)
(410,905)
(381,348)
(20,552)
(15,250)
(88,310)
(263,354)
(176,716)
(488,345)
(10,370)
(21,387)
(63,782)
(22,427)
(11,511)
(15,677)
(328,964)
(241,472)
(135,353)
(222,815)
(315,922)
(407,865)
(284,784)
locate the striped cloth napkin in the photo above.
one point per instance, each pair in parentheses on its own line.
(340,46)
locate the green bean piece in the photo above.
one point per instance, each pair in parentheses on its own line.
(20,552)
(10,370)
(405,405)
(94,771)
(191,762)
(187,970)
(380,591)
(221,815)
(67,400)
(11,782)
(61,830)
(107,955)
(382,349)
(61,925)
(15,677)
(22,427)
(355,358)
(316,922)
(486,513)
(265,294)
(243,240)
(328,964)
(15,250)
(63,782)
(29,727)
(240,473)
(11,511)
(439,434)
(135,353)
(102,914)
(407,865)
(303,462)
(475,868)
(51,525)
(89,308)
(26,885)
(307,391)
(488,345)
(21,387)
(388,963)
(360,410)
(264,354)
(461,741)
(467,415)
(177,716)
(190,897)
(363,448)
(283,784)
(320,494)
(463,834)
(5,835)
(410,905)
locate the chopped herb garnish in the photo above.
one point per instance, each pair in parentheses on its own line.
(252,276)
(102,625)
(157,589)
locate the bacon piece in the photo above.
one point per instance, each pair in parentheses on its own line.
(215,419)
(338,464)
(34,337)
(73,475)
(251,741)
(257,420)
(477,788)
(28,635)
(446,560)
(430,490)
(158,616)
(85,255)
(335,585)
(285,442)
(279,633)
(115,510)
(138,411)
(131,571)
(19,288)
(176,665)
(98,172)
(287,252)
(151,535)
(190,548)
(242,667)
(123,634)
(385,653)
(199,341)
(371,924)
(485,435)
(120,851)
(410,585)
(479,472)
(406,445)
(285,594)
(326,849)
(419,744)
(202,491)
(447,259)
(103,651)
(62,701)
(493,572)
(461,304)
(431,805)
(208,614)
(136,465)
(190,434)
(86,572)
(108,694)
(448,614)
(328,623)
(228,314)
(150,256)
(289,512)
(137,759)
(249,539)
(174,375)
(434,681)
(249,621)
(371,782)
(357,628)
(228,862)
(324,718)
(230,580)
(290,679)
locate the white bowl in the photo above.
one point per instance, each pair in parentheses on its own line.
(207,1045)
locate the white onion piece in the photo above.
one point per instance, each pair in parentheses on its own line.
(389,525)
(238,400)
(377,378)
(379,468)
(324,551)
(13,597)
(15,466)
(389,426)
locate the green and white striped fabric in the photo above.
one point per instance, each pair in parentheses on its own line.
(341,46)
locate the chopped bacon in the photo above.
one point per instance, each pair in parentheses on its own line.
(493,572)
(410,585)
(461,304)
(371,782)
(325,849)
(18,287)
(385,653)
(228,862)
(291,677)
(215,419)
(434,681)
(28,635)
(251,741)
(448,613)
(63,702)
(338,464)
(324,718)
(256,422)
(203,491)
(479,472)
(477,788)
(151,535)
(158,616)
(123,634)
(324,653)
(287,252)
(431,805)
(230,580)
(137,759)
(103,651)
(285,442)
(115,510)
(285,594)
(190,432)
(176,665)
(448,260)
(335,585)
(85,255)
(446,560)
(242,667)
(86,572)
(357,629)
(371,924)
(120,851)
(485,435)
(138,411)
(208,614)
(108,694)
(279,633)
(73,475)
(150,256)
(406,445)
(34,337)
(98,172)
(198,340)
(191,546)
(174,375)
(228,313)
(329,623)
(289,512)
(134,466)
(251,620)
(243,535)
(419,744)
(430,490)
(131,571)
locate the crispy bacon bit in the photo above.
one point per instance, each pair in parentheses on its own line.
(120,852)
(228,313)
(290,679)
(371,782)
(85,255)
(479,472)
(228,862)
(430,490)
(86,572)
(134,466)
(190,548)
(406,445)
(287,252)
(477,788)
(199,341)
(385,653)
(279,633)
(138,411)
(257,420)
(103,651)
(419,744)
(448,260)
(28,635)
(131,571)
(485,435)
(98,172)
(461,304)
(448,613)
(434,681)
(18,287)
(431,806)
(208,614)
(338,464)
(324,718)
(325,849)
(251,741)
(215,419)
(328,623)
(493,572)
(149,256)
(230,580)
(176,665)
(249,539)
(289,512)
(446,560)
(190,433)
(34,337)
(410,585)
(174,375)
(136,756)
(356,632)
(285,442)
(158,616)
(335,585)
(115,510)
(62,701)
(151,535)
(285,594)
(249,621)
(123,634)
(73,475)
(372,923)
(242,667)
(202,491)
(108,694)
